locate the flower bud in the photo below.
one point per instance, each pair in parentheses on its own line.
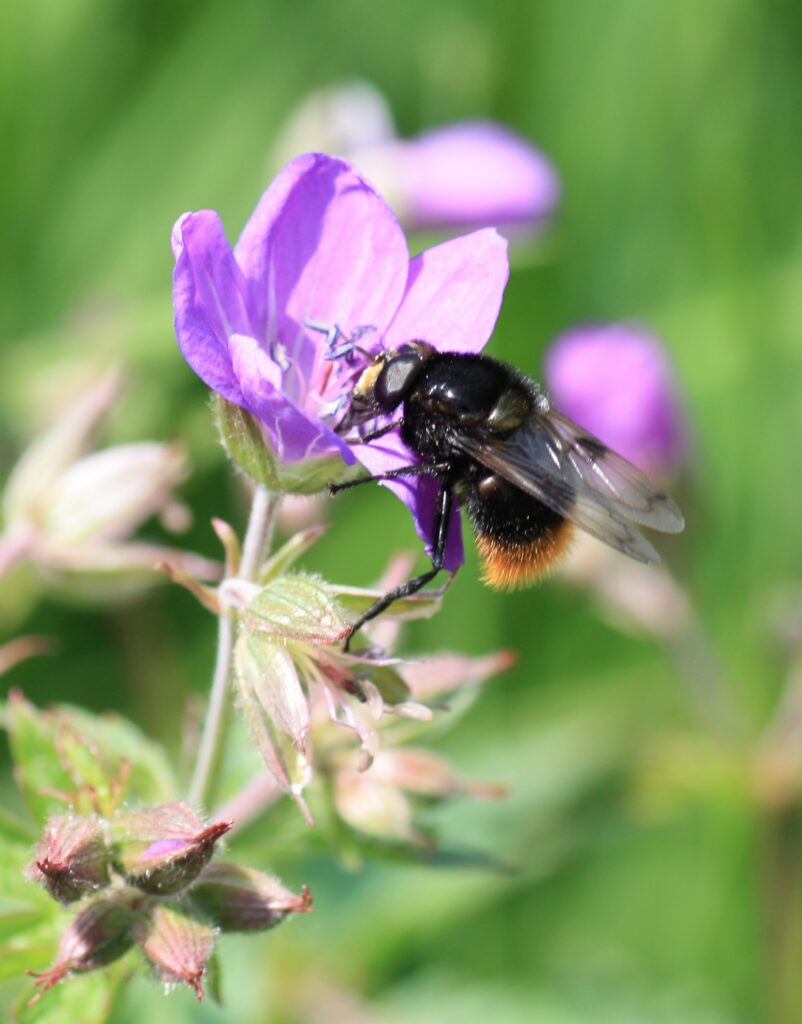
(266,673)
(162,849)
(107,494)
(240,899)
(72,858)
(374,806)
(424,774)
(70,514)
(98,936)
(177,944)
(249,446)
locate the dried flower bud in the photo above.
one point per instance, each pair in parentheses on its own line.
(162,849)
(177,944)
(98,936)
(240,899)
(72,858)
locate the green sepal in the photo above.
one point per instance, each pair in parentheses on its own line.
(245,442)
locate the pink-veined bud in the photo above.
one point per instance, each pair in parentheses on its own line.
(422,773)
(162,849)
(177,944)
(374,806)
(241,899)
(99,935)
(71,512)
(72,859)
(443,673)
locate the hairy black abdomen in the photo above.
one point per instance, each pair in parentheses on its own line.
(498,508)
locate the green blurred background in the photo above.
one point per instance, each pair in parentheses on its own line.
(646,865)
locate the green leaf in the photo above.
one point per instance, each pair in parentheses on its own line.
(212,979)
(96,761)
(289,553)
(423,605)
(31,947)
(12,830)
(78,1000)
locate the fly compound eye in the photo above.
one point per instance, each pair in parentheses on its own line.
(396,378)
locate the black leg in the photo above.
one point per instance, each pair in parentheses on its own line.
(423,469)
(374,434)
(445,502)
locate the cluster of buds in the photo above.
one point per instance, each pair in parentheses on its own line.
(313,708)
(144,879)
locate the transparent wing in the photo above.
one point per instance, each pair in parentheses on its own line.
(611,478)
(580,478)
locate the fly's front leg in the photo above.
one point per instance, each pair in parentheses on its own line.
(445,504)
(422,469)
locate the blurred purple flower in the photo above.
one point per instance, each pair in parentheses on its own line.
(617,381)
(471,174)
(460,175)
(323,246)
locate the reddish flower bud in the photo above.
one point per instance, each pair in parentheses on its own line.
(98,936)
(72,858)
(177,944)
(162,849)
(240,899)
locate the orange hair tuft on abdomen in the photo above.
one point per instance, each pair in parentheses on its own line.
(508,566)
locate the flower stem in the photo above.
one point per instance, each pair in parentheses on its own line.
(257,541)
(782,904)
(259,534)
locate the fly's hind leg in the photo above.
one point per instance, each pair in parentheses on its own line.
(445,503)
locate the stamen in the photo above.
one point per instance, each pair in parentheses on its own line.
(334,333)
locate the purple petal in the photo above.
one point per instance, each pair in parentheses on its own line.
(617,382)
(453,293)
(209,300)
(163,846)
(321,245)
(294,434)
(419,494)
(476,173)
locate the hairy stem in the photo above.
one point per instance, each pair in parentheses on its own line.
(257,541)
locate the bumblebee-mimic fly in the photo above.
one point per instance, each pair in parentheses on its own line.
(525,474)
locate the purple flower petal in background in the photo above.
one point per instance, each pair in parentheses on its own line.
(617,381)
(474,173)
(322,246)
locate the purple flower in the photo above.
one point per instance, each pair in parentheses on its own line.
(322,246)
(473,173)
(617,382)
